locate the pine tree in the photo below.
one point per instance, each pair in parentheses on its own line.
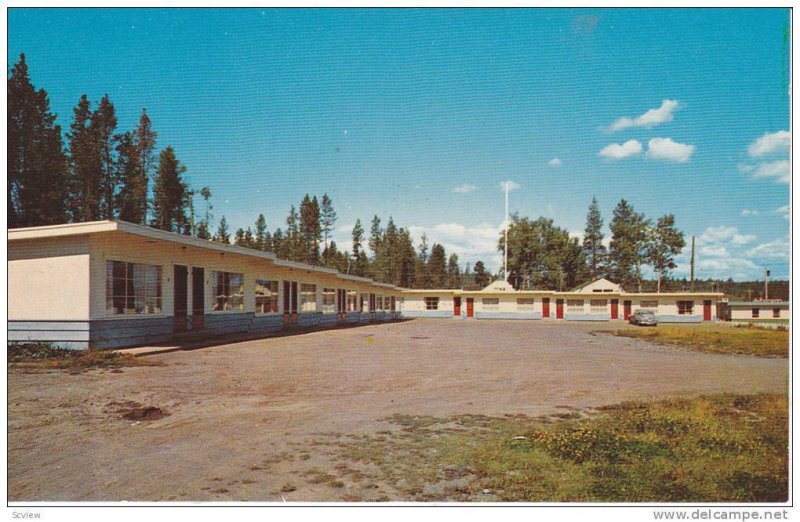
(664,243)
(309,230)
(170,194)
(453,272)
(84,201)
(593,247)
(132,196)
(145,143)
(482,278)
(37,168)
(375,235)
(437,267)
(421,264)
(223,234)
(328,216)
(359,257)
(294,246)
(628,243)
(279,244)
(261,242)
(204,227)
(102,125)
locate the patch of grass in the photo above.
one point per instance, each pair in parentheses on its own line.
(44,356)
(715,338)
(722,448)
(288,488)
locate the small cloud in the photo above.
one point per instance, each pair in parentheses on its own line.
(775,249)
(617,151)
(650,118)
(465,188)
(746,212)
(785,211)
(723,234)
(666,149)
(769,143)
(780,171)
(555,162)
(744,168)
(713,251)
(512,185)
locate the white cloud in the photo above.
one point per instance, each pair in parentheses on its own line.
(787,213)
(650,118)
(555,162)
(617,151)
(769,143)
(744,168)
(723,234)
(666,149)
(512,185)
(775,249)
(470,243)
(465,188)
(713,251)
(780,170)
(746,212)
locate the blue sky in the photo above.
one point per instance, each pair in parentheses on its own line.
(421,114)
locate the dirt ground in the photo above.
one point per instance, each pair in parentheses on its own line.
(260,420)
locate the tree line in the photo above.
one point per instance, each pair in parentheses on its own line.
(542,255)
(99,173)
(104,173)
(392,258)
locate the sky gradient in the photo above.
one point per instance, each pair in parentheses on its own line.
(421,114)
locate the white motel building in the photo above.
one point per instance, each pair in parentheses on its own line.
(111,284)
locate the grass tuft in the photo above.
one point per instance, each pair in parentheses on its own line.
(44,356)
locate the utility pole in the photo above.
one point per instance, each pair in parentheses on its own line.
(692,263)
(766,284)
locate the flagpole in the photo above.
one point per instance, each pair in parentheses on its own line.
(505,258)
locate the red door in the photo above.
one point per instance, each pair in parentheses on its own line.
(470,307)
(615,308)
(626,310)
(546,307)
(457,306)
(559,308)
(706,310)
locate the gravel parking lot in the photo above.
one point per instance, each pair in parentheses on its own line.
(250,421)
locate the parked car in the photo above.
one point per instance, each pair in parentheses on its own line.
(643,318)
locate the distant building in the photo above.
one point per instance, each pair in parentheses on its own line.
(762,311)
(109,284)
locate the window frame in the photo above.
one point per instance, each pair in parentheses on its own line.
(275,297)
(490,304)
(150,285)
(776,313)
(431,302)
(526,306)
(685,307)
(327,294)
(229,298)
(596,308)
(755,313)
(304,303)
(574,306)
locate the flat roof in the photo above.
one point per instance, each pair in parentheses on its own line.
(99,227)
(758,303)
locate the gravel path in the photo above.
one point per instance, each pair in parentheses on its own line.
(245,421)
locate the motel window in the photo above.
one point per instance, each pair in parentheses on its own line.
(132,288)
(755,313)
(776,313)
(685,307)
(648,304)
(574,305)
(431,303)
(328,300)
(266,297)
(378,303)
(525,304)
(228,291)
(490,303)
(598,306)
(352,301)
(308,297)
